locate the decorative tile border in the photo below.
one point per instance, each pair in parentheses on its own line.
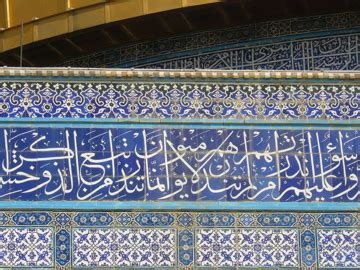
(163,100)
(186,240)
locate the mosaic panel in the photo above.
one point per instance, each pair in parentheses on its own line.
(247,248)
(216,247)
(339,248)
(66,244)
(26,247)
(179,100)
(210,49)
(99,247)
(172,164)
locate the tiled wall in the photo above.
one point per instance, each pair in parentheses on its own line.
(327,42)
(46,120)
(179,240)
(225,164)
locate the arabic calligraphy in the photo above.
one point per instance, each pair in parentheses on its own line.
(224,48)
(336,52)
(179,164)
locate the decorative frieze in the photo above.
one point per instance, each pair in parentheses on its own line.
(64,243)
(307,43)
(182,100)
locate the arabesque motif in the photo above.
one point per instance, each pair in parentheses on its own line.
(179,100)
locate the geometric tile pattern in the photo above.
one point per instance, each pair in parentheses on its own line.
(215,220)
(150,219)
(180,240)
(246,220)
(185,220)
(179,100)
(26,247)
(225,48)
(91,219)
(339,248)
(307,220)
(37,218)
(98,247)
(247,247)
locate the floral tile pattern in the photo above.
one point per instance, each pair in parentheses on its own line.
(339,248)
(270,248)
(216,247)
(180,240)
(178,100)
(27,247)
(247,247)
(97,247)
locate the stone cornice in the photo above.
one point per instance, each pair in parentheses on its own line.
(202,74)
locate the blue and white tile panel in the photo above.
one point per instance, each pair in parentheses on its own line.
(247,247)
(26,247)
(338,248)
(121,247)
(179,100)
(175,240)
(179,164)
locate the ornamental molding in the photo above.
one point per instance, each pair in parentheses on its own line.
(190,74)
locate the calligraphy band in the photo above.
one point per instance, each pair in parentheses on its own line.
(189,164)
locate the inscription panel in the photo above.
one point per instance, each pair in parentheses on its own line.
(286,165)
